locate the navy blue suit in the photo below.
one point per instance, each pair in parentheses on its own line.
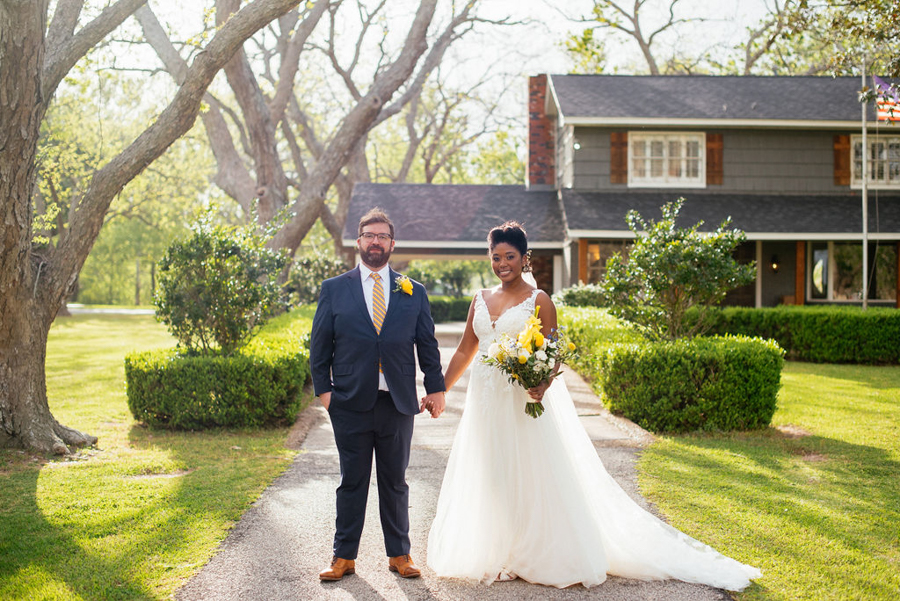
(345,352)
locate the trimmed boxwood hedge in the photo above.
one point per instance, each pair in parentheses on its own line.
(820,334)
(446,308)
(259,386)
(705,383)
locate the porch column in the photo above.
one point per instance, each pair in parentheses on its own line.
(582,260)
(800,274)
(759,274)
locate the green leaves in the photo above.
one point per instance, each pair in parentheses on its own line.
(821,334)
(259,386)
(727,383)
(580,295)
(217,287)
(307,274)
(671,269)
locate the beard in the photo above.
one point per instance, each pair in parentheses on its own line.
(375,257)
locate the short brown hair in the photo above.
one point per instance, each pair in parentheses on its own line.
(375,215)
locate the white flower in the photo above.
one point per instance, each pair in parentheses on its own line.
(540,356)
(494,350)
(523,355)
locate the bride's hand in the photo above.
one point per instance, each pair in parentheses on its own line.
(537,392)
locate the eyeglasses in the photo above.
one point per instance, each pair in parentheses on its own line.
(369,236)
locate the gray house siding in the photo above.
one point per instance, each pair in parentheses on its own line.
(591,161)
(791,162)
(779,161)
(776,287)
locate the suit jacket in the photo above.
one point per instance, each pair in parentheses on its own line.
(345,349)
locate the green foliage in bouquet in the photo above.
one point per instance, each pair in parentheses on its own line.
(217,287)
(671,269)
(531,358)
(709,383)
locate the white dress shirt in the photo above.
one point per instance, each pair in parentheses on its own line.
(368,284)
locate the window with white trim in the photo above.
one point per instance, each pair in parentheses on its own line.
(883,167)
(835,272)
(661,160)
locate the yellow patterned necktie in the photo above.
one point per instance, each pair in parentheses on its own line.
(379,310)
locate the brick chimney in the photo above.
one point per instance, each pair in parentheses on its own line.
(541,136)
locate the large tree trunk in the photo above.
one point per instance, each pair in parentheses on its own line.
(25,418)
(33,286)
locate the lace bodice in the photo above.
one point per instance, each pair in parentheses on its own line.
(511,321)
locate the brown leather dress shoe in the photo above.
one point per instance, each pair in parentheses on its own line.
(339,567)
(404,566)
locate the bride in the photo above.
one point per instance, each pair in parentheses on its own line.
(530,498)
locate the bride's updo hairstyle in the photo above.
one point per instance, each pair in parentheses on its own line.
(511,233)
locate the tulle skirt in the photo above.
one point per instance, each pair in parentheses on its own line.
(531,497)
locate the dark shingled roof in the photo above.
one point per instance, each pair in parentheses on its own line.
(457,213)
(751,213)
(709,97)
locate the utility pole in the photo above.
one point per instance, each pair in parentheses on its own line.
(865,200)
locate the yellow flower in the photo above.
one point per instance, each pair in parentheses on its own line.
(571,346)
(538,339)
(404,285)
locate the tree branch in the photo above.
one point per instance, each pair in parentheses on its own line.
(232,175)
(173,122)
(447,37)
(353,128)
(60,59)
(290,60)
(261,127)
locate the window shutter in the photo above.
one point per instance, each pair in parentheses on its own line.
(842,160)
(618,157)
(714,152)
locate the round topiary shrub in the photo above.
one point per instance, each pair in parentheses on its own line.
(709,383)
(218,287)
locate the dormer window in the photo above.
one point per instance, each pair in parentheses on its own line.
(662,160)
(884,161)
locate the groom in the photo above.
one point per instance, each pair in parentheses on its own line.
(368,324)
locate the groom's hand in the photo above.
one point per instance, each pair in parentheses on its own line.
(325,399)
(434,402)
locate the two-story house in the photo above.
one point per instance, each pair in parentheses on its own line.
(782,156)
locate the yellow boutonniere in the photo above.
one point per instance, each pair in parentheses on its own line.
(404,285)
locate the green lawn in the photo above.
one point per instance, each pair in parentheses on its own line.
(135,517)
(814,501)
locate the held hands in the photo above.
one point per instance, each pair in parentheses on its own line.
(434,403)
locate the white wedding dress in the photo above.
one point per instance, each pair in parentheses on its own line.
(531,497)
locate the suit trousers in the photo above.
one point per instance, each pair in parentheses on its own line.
(386,433)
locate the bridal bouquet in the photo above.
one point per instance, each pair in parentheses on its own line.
(530,358)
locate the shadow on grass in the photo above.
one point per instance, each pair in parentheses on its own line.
(826,510)
(53,562)
(137,530)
